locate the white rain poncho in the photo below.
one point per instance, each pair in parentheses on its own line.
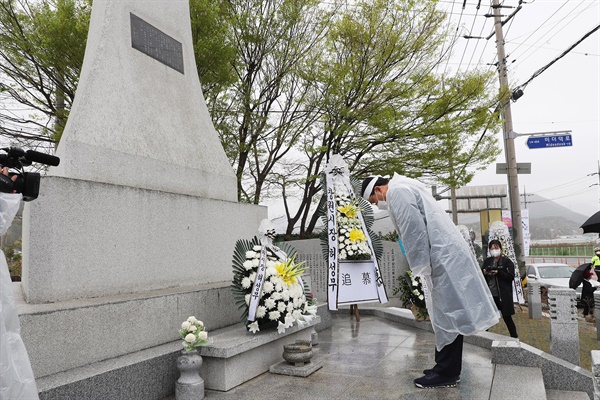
(459,300)
(16,377)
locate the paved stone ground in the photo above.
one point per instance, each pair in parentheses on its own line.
(371,359)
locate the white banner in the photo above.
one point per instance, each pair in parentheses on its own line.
(356,282)
(266,233)
(337,177)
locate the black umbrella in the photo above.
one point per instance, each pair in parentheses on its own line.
(592,224)
(577,275)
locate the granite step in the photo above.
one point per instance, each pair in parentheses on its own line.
(524,382)
(565,394)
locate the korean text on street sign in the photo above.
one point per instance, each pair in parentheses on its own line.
(540,142)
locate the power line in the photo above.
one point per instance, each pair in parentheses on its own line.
(544,68)
(544,37)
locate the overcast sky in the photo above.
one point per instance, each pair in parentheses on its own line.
(564,97)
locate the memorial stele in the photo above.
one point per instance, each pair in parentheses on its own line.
(139,220)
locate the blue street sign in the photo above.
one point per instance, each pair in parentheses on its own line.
(540,142)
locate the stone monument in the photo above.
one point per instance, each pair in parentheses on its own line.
(534,299)
(564,329)
(135,230)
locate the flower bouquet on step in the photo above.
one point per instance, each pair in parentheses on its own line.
(194,334)
(412,295)
(267,285)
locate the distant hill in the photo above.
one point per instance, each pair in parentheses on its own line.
(540,207)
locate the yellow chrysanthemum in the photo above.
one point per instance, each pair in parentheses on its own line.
(349,210)
(357,235)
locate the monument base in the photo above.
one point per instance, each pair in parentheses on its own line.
(69,335)
(234,357)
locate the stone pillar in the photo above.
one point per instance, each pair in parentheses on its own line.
(564,328)
(596,372)
(534,299)
(597,312)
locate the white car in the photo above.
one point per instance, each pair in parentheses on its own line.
(551,275)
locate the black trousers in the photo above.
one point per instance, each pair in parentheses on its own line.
(510,324)
(448,361)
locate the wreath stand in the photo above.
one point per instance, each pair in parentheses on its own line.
(354,310)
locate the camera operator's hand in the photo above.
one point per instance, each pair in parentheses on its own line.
(14,177)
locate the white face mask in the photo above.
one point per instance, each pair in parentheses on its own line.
(381,204)
(496,252)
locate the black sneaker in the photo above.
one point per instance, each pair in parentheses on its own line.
(431,371)
(435,380)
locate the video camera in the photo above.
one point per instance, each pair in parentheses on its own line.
(27,183)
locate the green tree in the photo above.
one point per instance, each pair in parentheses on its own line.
(381,105)
(43,43)
(263,114)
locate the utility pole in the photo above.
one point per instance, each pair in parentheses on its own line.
(509,142)
(524,195)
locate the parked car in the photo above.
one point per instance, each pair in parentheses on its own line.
(551,275)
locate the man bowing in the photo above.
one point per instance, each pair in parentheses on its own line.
(458,299)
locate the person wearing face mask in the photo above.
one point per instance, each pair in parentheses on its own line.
(499,273)
(458,301)
(596,261)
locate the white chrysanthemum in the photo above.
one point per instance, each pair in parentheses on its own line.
(276,296)
(247,298)
(274,315)
(341,246)
(347,241)
(420,297)
(296,302)
(193,328)
(285,295)
(270,264)
(186,325)
(281,306)
(261,311)
(250,254)
(290,307)
(252,277)
(303,298)
(256,262)
(271,271)
(279,286)
(270,304)
(350,252)
(268,287)
(190,338)
(246,283)
(354,247)
(203,335)
(248,265)
(257,248)
(192,320)
(296,291)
